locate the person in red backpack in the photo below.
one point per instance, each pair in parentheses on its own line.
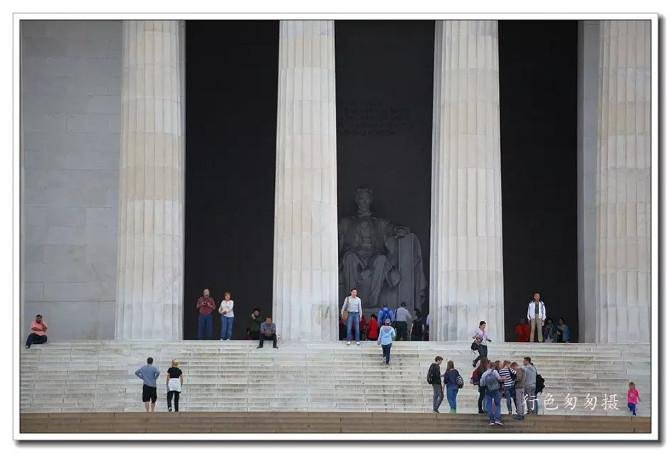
(372,328)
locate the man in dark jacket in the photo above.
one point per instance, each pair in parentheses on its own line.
(254,324)
(434,378)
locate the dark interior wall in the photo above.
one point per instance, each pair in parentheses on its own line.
(384,89)
(538,89)
(231,110)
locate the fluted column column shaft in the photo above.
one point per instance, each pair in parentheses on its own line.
(151,199)
(305,272)
(466,281)
(623,204)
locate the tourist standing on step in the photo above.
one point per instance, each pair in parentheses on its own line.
(522,331)
(632,398)
(372,327)
(453,382)
(254,325)
(363,327)
(173,382)
(480,339)
(148,373)
(417,329)
(508,376)
(475,380)
(268,331)
(530,373)
(403,320)
(536,317)
(385,338)
(433,378)
(519,390)
(351,310)
(490,380)
(38,332)
(205,307)
(227,317)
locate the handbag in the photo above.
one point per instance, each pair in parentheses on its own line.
(345,313)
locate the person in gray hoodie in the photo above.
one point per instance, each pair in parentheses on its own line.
(148,373)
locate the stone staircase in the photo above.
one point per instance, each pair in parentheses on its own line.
(320,422)
(234,376)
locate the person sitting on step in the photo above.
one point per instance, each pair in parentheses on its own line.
(268,331)
(38,332)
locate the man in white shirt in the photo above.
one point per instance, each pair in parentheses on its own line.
(403,320)
(352,306)
(536,317)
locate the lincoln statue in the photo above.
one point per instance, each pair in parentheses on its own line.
(382,260)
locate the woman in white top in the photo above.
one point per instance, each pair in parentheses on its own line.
(227,316)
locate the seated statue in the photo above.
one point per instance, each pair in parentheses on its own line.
(382,260)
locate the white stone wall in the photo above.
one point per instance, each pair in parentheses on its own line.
(70,91)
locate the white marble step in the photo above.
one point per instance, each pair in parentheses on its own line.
(220,376)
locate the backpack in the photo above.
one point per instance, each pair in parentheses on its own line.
(540,383)
(386,314)
(475,377)
(460,381)
(491,382)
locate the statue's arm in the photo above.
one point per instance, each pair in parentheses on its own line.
(396,231)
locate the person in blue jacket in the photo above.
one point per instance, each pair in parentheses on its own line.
(385,338)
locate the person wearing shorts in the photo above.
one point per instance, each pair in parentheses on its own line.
(148,373)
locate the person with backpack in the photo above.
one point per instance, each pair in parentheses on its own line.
(530,390)
(385,338)
(385,313)
(491,380)
(453,382)
(475,380)
(433,378)
(352,312)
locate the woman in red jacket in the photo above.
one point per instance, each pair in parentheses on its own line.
(372,327)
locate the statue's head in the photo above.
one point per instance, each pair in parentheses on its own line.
(363,197)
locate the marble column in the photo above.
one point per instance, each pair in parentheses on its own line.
(305,271)
(466,281)
(588,101)
(151,174)
(623,171)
